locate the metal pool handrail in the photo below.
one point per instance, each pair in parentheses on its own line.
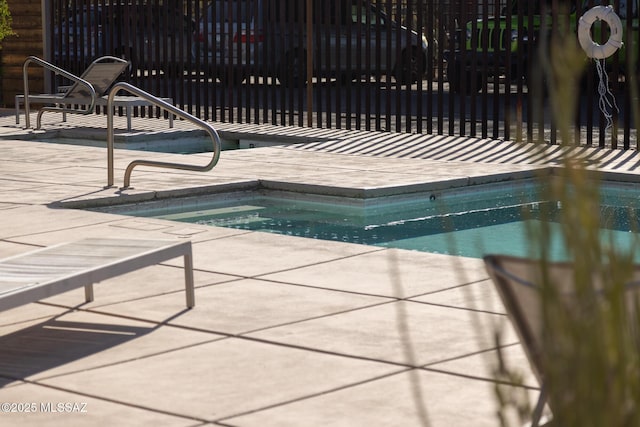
(56,70)
(217,144)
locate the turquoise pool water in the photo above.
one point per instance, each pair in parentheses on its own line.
(471,221)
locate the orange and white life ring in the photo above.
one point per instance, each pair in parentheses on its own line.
(593,49)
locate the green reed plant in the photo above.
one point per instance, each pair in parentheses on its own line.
(591,337)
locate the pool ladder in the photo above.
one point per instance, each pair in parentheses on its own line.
(163,105)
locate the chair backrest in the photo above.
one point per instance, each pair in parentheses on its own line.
(102,74)
(514,279)
(518,281)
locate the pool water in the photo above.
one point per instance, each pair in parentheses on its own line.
(471,222)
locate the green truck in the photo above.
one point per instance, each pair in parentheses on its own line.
(505,45)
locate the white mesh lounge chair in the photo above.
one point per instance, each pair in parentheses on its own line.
(46,272)
(518,281)
(87,91)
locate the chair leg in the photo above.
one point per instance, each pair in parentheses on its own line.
(17,102)
(128,110)
(188,277)
(88,293)
(537,413)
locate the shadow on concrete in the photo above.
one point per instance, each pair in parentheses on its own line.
(56,342)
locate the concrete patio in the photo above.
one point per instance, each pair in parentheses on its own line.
(286,331)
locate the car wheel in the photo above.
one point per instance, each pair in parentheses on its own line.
(233,77)
(347,77)
(536,80)
(410,65)
(293,70)
(456,76)
(174,70)
(126,52)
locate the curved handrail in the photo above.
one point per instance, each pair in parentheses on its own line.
(57,70)
(217,144)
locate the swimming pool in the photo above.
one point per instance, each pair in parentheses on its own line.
(468,221)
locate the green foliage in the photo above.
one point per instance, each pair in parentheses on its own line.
(5,20)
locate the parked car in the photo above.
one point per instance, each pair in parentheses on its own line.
(226,38)
(502,45)
(238,38)
(150,37)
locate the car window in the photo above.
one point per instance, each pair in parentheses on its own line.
(339,13)
(86,18)
(286,11)
(230,11)
(628,9)
(365,15)
(535,7)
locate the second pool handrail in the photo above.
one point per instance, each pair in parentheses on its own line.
(163,105)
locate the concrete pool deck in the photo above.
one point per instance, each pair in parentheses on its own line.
(286,331)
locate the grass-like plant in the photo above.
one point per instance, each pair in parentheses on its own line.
(591,335)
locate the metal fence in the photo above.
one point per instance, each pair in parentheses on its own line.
(454,67)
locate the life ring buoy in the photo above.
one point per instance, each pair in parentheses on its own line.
(591,48)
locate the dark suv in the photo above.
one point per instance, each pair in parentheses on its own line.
(505,45)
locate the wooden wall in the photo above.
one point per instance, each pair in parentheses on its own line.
(27,24)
